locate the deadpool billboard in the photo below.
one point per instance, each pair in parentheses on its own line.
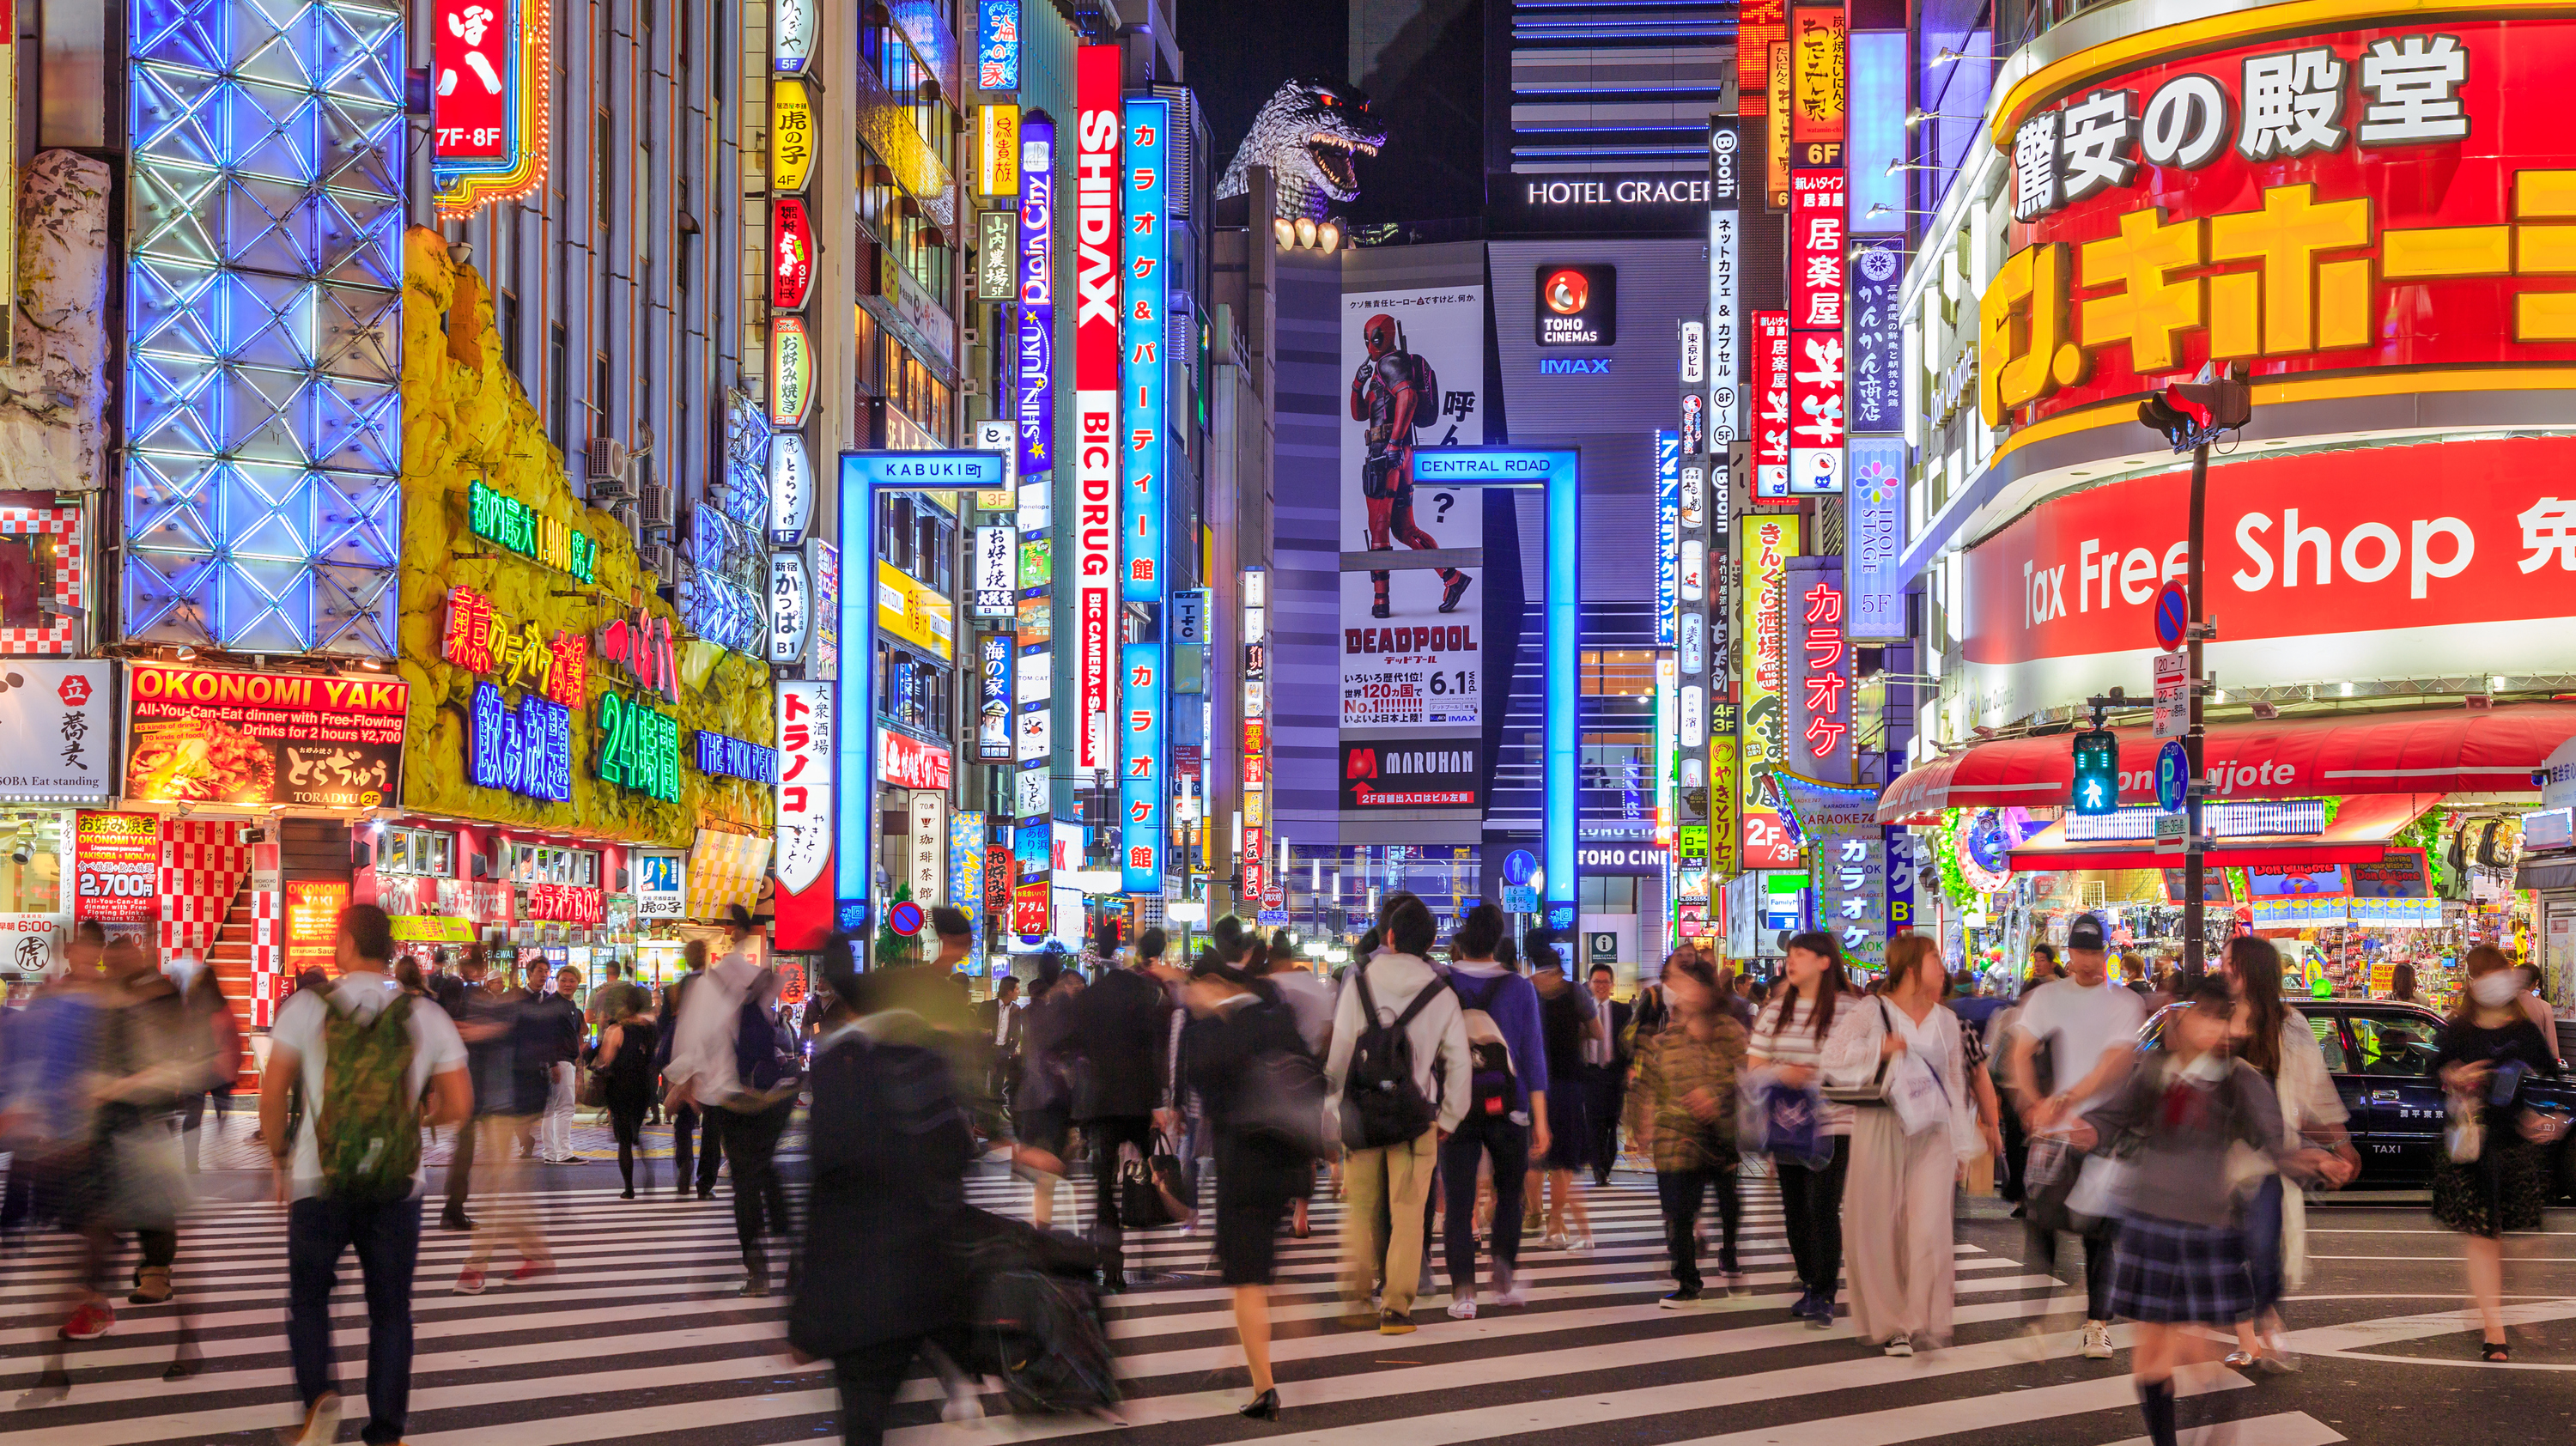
(1411,773)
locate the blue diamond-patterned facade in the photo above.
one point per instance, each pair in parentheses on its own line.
(264,287)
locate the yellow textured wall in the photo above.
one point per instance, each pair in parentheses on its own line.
(463,422)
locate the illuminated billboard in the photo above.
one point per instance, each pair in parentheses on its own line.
(1142,772)
(1097,338)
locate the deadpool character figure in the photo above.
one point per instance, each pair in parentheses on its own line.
(1391,392)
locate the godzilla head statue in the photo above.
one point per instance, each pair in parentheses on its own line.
(1309,136)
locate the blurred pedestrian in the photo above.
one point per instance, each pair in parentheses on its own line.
(2492,1175)
(2180,1259)
(687,1120)
(882,1275)
(2073,1042)
(2278,1043)
(518,1045)
(617,998)
(564,1017)
(1904,1173)
(1399,1055)
(624,1065)
(482,1019)
(1042,1103)
(1311,1002)
(371,1066)
(1686,1078)
(1121,1034)
(1506,1115)
(1570,1024)
(734,1063)
(1606,1058)
(1790,1041)
(210,1011)
(1240,1038)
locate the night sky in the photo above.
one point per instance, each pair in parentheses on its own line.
(1235,53)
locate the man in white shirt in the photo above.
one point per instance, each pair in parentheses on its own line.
(326,1216)
(2089,1027)
(702,1072)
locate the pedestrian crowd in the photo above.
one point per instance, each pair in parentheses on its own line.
(1464,1094)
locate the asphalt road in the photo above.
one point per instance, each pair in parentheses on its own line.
(639,1338)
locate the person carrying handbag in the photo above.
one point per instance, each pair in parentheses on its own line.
(1909,1149)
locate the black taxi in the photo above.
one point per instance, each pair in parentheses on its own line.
(2380,1054)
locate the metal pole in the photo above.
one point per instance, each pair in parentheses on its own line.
(2193,864)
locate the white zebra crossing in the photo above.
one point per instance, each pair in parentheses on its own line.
(640,1334)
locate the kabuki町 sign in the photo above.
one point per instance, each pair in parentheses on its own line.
(2397,196)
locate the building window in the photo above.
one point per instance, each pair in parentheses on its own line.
(547,864)
(918,540)
(912,690)
(1619,673)
(1606,894)
(869,375)
(424,851)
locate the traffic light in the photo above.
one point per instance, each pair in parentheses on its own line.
(2192,413)
(2097,772)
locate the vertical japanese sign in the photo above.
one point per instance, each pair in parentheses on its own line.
(1096,345)
(1770,431)
(116,863)
(1877,337)
(966,879)
(1818,397)
(1873,535)
(1759,25)
(926,847)
(1141,769)
(997,44)
(1768,544)
(1725,316)
(1668,537)
(1036,394)
(993,705)
(1818,734)
(488,61)
(1819,84)
(805,803)
(995,561)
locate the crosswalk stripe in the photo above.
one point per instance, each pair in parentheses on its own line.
(640,1335)
(2286,1428)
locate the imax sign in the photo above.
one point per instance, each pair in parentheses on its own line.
(1574,366)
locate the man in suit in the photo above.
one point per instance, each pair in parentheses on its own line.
(1120,1034)
(1606,1073)
(998,1024)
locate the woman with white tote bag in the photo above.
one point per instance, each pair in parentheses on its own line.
(1909,1152)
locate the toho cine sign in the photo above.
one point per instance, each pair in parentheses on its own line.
(2455,560)
(2386,196)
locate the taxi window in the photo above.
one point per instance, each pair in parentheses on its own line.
(2396,1044)
(2330,1041)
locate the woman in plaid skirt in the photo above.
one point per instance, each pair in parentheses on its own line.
(2180,1260)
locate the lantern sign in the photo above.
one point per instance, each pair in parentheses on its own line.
(488,63)
(791,373)
(997,150)
(791,489)
(791,34)
(791,254)
(791,607)
(791,135)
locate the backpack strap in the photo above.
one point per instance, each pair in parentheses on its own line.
(1493,986)
(1421,1001)
(1368,1001)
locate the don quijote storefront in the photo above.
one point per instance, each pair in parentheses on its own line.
(2377,217)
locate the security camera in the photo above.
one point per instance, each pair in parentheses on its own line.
(24,853)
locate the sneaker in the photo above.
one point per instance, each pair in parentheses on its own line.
(2032,1342)
(321,1425)
(1578,1245)
(455,1220)
(1733,1281)
(1394,1323)
(1900,1345)
(1685,1298)
(1509,1291)
(1820,1316)
(1463,1308)
(2097,1340)
(91,1320)
(469,1281)
(530,1269)
(1804,1307)
(1551,1242)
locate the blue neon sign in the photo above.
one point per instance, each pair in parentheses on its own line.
(1037,294)
(1559,475)
(854,764)
(720,755)
(997,44)
(1668,536)
(1142,574)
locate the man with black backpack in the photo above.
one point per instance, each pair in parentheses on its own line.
(733,1060)
(347,1072)
(1399,1077)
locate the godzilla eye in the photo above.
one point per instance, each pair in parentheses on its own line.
(1332,100)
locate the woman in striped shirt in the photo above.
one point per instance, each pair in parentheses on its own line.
(1789,1037)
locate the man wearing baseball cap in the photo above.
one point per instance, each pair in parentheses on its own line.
(2072,1044)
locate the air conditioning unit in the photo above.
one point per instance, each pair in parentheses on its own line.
(659,560)
(604,459)
(655,507)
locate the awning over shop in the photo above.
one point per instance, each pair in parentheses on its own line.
(2359,834)
(2430,751)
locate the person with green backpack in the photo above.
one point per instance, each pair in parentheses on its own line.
(349,1069)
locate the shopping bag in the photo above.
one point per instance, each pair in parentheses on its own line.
(1915,1091)
(1150,1193)
(2102,1191)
